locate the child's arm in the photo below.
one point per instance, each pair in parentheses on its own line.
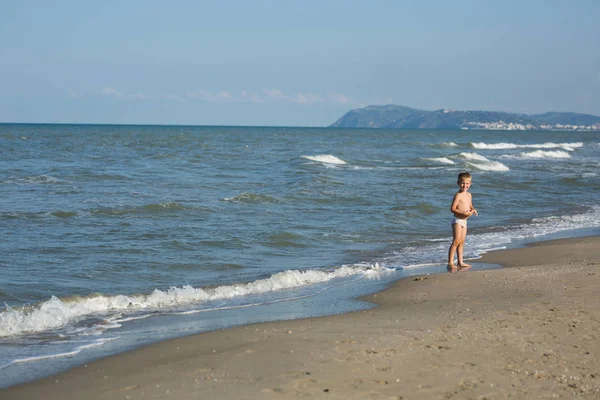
(473,210)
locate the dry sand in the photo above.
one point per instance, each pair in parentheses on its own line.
(529,331)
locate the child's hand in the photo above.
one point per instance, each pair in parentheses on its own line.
(474,211)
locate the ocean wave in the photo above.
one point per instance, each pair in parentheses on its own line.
(506,146)
(146,209)
(491,238)
(426,208)
(443,160)
(251,198)
(535,228)
(101,176)
(326,159)
(77,350)
(286,239)
(56,313)
(64,214)
(154,208)
(37,215)
(541,154)
(445,145)
(482,163)
(33,180)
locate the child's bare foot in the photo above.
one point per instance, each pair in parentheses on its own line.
(451,268)
(464,267)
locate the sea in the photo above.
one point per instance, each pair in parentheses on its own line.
(119,236)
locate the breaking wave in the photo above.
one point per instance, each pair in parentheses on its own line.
(482,163)
(445,145)
(56,313)
(326,159)
(33,180)
(541,154)
(251,198)
(443,160)
(504,146)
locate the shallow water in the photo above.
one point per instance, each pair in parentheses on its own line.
(113,236)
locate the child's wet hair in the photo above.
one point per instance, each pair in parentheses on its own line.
(463,176)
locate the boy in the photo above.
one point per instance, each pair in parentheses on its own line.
(462,208)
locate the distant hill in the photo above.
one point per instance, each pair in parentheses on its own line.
(400,117)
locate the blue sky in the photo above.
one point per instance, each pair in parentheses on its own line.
(292,63)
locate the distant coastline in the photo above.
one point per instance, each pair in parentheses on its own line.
(401,117)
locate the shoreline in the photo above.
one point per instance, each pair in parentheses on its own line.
(529,330)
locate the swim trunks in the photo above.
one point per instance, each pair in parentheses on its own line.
(460,221)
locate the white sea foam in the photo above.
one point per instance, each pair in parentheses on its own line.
(416,266)
(56,313)
(246,197)
(480,243)
(443,160)
(534,229)
(493,249)
(325,158)
(473,156)
(448,144)
(33,180)
(482,163)
(77,350)
(491,166)
(541,154)
(504,146)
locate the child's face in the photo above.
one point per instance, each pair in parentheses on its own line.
(464,184)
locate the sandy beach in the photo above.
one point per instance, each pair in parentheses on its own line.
(527,331)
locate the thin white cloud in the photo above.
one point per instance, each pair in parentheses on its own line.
(251,97)
(338,98)
(222,96)
(174,97)
(225,96)
(140,96)
(308,99)
(111,92)
(269,95)
(276,95)
(331,98)
(266,95)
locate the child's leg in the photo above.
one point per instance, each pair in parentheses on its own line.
(456,231)
(460,249)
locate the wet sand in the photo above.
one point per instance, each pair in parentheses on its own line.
(527,331)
